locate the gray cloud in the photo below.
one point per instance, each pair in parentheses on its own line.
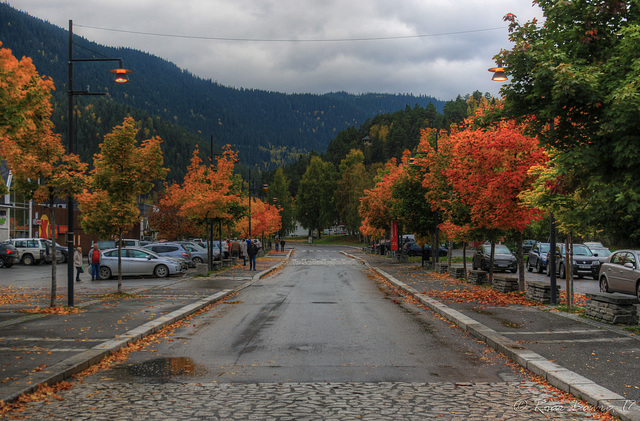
(442,65)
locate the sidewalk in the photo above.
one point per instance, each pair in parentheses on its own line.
(596,362)
(45,349)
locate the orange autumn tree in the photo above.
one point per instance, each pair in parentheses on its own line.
(265,219)
(208,191)
(165,218)
(489,169)
(453,213)
(41,168)
(376,204)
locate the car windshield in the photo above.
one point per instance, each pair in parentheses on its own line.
(544,248)
(579,250)
(500,249)
(603,252)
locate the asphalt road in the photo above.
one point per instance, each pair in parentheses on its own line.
(320,319)
(319,339)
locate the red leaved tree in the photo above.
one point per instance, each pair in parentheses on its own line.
(489,169)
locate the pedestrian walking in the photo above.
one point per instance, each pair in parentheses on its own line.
(94,261)
(252,251)
(243,252)
(282,245)
(234,248)
(77,262)
(277,244)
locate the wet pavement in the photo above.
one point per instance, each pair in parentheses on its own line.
(564,339)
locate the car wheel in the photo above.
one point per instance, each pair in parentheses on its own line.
(514,270)
(529,267)
(60,258)
(538,266)
(1,262)
(548,271)
(604,285)
(197,260)
(104,273)
(563,272)
(638,290)
(161,271)
(412,254)
(27,259)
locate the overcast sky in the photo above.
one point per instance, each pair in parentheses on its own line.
(440,48)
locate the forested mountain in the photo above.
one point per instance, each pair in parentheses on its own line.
(267,128)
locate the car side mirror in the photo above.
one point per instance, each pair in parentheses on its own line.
(595,254)
(629,265)
(148,257)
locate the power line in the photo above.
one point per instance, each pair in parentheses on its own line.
(155,34)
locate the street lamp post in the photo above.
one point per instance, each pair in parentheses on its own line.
(499,76)
(120,77)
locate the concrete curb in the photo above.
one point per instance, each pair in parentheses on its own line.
(558,376)
(83,360)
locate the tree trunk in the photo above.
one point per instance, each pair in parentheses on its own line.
(521,286)
(464,258)
(491,260)
(54,262)
(569,271)
(120,262)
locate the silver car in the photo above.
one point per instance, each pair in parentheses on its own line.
(138,261)
(200,254)
(621,273)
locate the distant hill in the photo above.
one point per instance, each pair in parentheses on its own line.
(267,128)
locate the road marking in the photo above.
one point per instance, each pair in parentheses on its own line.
(3,339)
(324,262)
(556,332)
(568,341)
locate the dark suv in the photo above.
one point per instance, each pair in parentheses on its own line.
(584,262)
(8,255)
(503,259)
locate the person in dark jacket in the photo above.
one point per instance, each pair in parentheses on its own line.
(252,251)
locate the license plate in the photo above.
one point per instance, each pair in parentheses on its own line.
(585,266)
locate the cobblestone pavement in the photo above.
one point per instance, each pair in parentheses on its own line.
(308,401)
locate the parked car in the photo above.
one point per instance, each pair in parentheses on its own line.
(199,254)
(621,273)
(382,247)
(111,244)
(62,252)
(584,262)
(503,259)
(537,257)
(8,255)
(527,245)
(593,244)
(32,250)
(442,251)
(171,250)
(412,249)
(136,262)
(602,253)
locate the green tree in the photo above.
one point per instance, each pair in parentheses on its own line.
(279,190)
(315,201)
(122,172)
(575,80)
(352,182)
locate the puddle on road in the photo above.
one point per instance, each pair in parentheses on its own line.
(160,369)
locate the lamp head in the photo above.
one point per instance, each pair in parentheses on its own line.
(498,74)
(121,75)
